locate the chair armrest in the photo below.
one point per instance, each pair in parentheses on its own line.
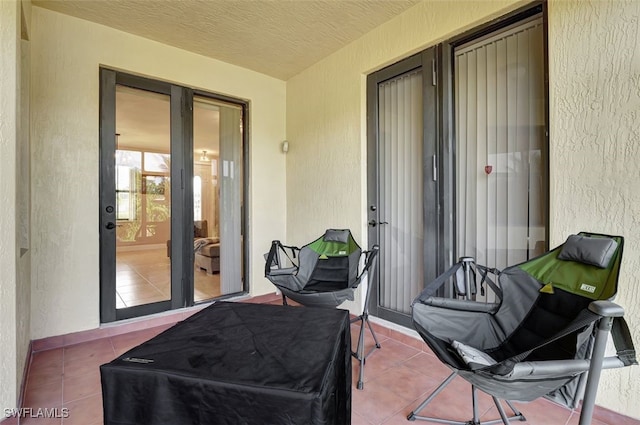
(553,368)
(282,272)
(606,309)
(462,305)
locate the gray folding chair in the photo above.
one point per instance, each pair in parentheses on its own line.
(324,273)
(548,328)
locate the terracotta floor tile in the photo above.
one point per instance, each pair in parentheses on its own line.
(575,420)
(453,403)
(43,396)
(125,342)
(46,368)
(375,403)
(47,358)
(356,420)
(12,420)
(86,411)
(428,365)
(35,420)
(77,387)
(405,382)
(400,418)
(85,350)
(368,338)
(397,351)
(416,343)
(375,365)
(87,365)
(44,378)
(539,412)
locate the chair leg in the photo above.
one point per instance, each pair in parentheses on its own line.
(516,412)
(476,419)
(503,415)
(359,353)
(373,334)
(284,300)
(414,415)
(504,419)
(595,368)
(474,402)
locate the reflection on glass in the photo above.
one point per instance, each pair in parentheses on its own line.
(143,197)
(217,195)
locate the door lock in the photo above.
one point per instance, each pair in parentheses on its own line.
(110,225)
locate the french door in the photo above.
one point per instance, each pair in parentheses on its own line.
(458,158)
(403,178)
(172,196)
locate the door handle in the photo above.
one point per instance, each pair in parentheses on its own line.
(110,225)
(374,223)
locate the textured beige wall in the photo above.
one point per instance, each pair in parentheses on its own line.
(67,52)
(594,90)
(23,192)
(15,285)
(9,54)
(594,67)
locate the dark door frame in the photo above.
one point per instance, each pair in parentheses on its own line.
(428,62)
(182,278)
(439,199)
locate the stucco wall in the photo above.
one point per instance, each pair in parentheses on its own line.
(67,53)
(594,99)
(23,196)
(594,134)
(9,13)
(15,285)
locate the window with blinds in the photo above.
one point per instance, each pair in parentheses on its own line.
(501,172)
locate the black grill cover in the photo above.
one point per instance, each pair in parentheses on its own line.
(235,363)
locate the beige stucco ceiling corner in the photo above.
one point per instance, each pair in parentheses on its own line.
(279,38)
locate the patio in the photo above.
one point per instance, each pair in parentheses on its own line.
(397,378)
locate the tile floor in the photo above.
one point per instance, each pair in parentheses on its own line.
(144,276)
(397,378)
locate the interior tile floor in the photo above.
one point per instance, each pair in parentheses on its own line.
(397,378)
(144,276)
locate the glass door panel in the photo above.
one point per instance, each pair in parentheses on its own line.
(143,197)
(501,153)
(403,202)
(217,198)
(400,124)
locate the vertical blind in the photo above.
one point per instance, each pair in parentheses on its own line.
(499,109)
(400,199)
(230,200)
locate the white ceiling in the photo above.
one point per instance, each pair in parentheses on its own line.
(279,38)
